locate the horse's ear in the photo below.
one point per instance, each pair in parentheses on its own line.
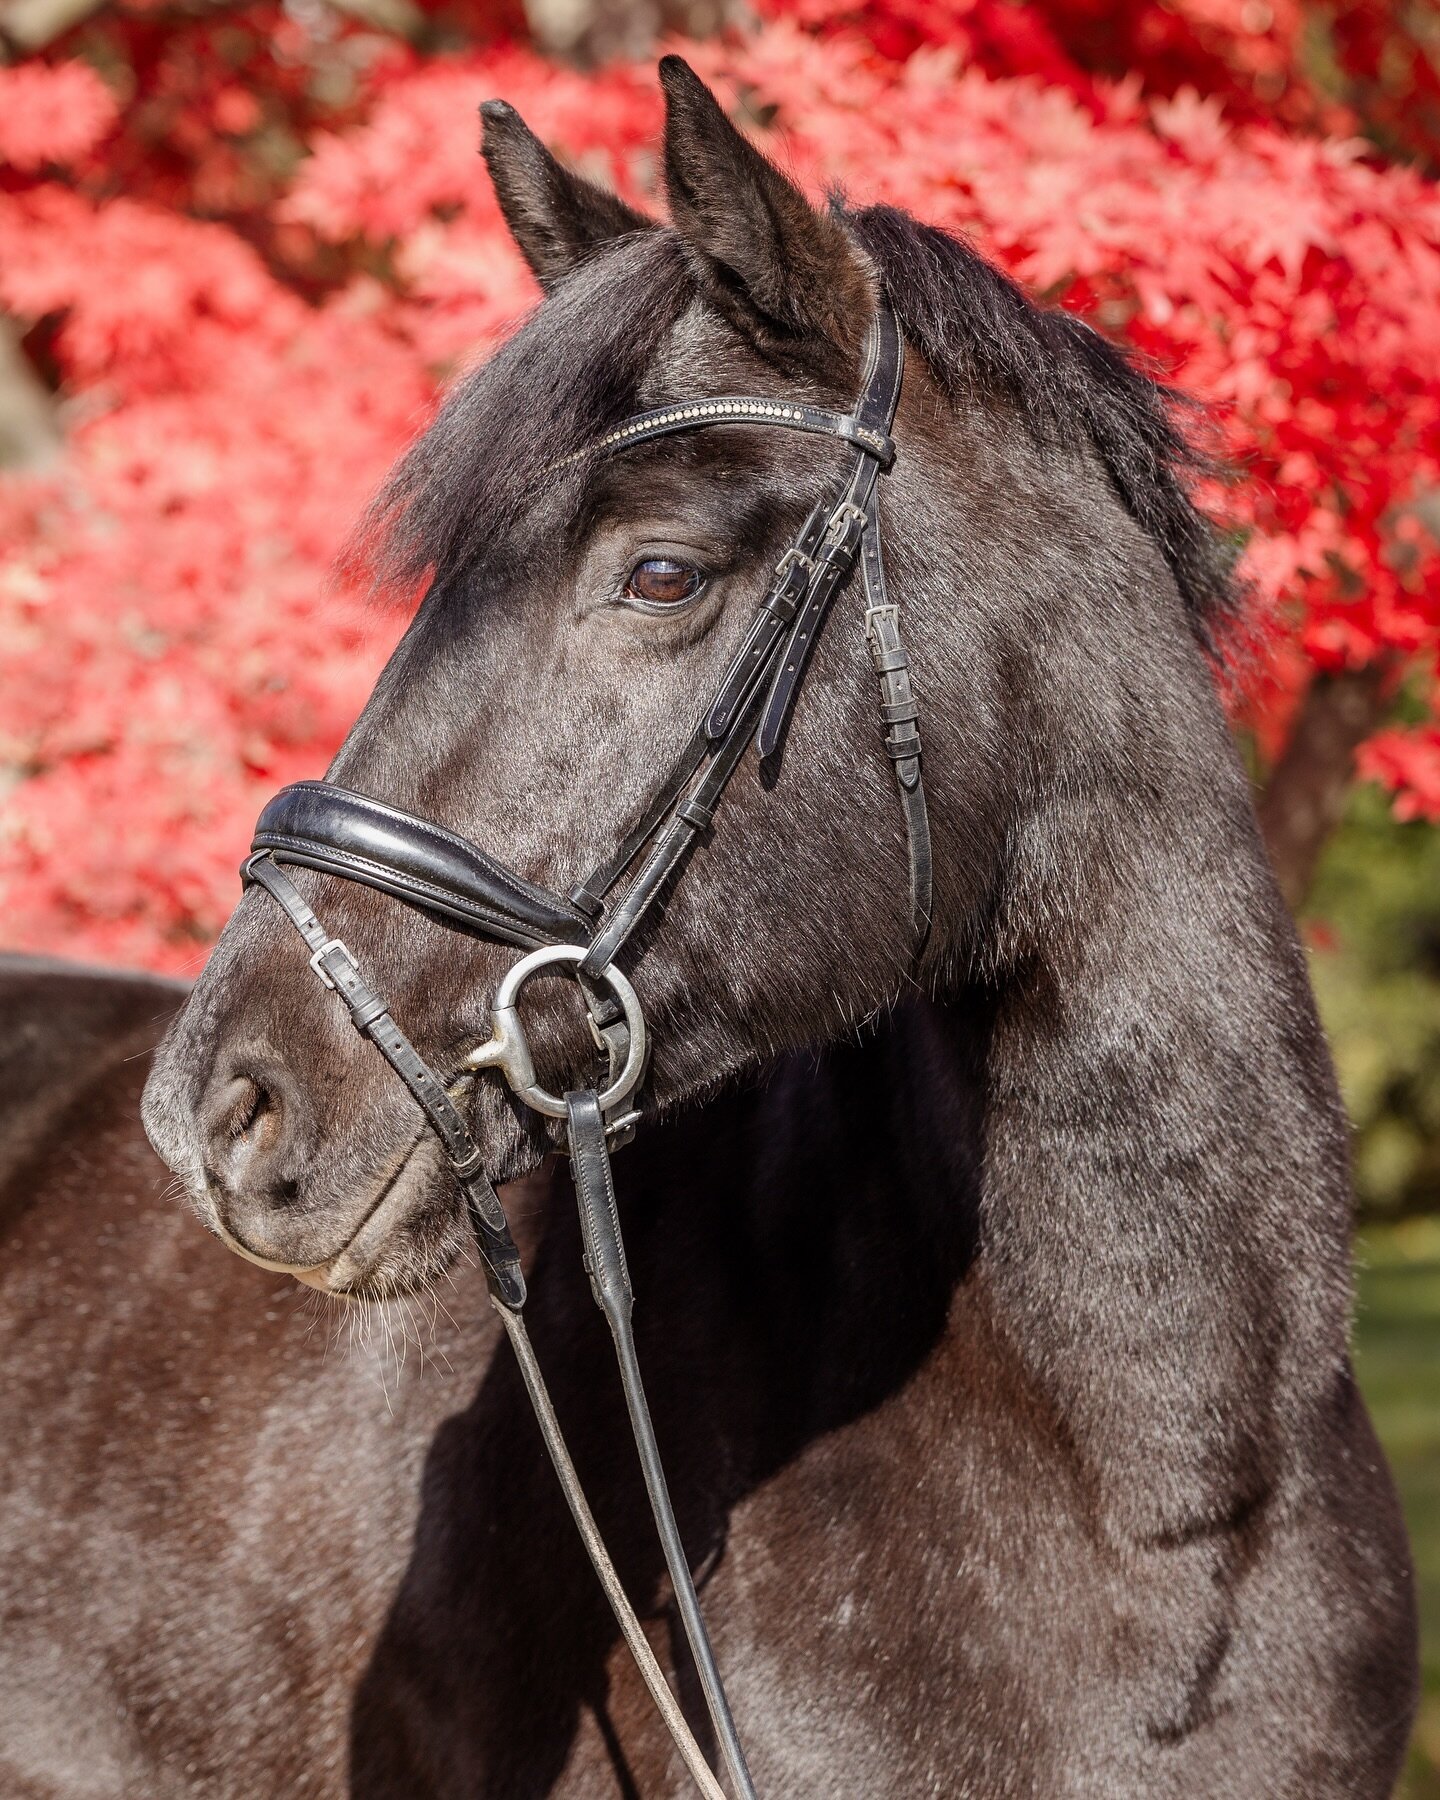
(555,217)
(785,274)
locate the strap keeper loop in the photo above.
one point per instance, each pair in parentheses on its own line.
(783,604)
(899,712)
(368,1012)
(842,536)
(874,443)
(467,1166)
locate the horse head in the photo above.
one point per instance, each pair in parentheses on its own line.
(585,595)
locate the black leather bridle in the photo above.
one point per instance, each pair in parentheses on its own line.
(319,826)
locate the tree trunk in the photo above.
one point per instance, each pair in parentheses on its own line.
(29,435)
(29,25)
(1305,795)
(589,32)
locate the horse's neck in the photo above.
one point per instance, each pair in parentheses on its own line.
(1165,1192)
(1125,1149)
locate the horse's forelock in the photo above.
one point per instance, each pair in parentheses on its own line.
(505,429)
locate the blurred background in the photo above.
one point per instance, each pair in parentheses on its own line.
(242,246)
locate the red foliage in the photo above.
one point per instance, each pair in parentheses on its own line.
(245,335)
(1408,761)
(1346,66)
(52,115)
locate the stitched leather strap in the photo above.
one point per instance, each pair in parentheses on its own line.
(604,1253)
(371,1017)
(900,722)
(329,828)
(834,560)
(671,846)
(665,1702)
(880,396)
(590,894)
(610,1283)
(784,597)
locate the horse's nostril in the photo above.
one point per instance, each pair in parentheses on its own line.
(249,1119)
(257,1134)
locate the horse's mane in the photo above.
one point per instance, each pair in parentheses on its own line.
(981,334)
(570,372)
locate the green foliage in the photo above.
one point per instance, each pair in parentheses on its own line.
(1373,920)
(1397,1356)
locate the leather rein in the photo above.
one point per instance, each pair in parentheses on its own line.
(319,826)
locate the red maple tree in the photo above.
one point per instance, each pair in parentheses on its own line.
(242,249)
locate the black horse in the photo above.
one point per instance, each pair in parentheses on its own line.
(994,1317)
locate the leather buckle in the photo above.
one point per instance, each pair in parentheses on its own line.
(889,611)
(317,963)
(843,534)
(789,581)
(794,558)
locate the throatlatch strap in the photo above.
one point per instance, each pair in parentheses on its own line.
(610,1283)
(900,721)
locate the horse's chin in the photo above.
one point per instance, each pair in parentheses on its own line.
(402,1267)
(417,1231)
(410,1230)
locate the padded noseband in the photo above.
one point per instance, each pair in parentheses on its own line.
(329,828)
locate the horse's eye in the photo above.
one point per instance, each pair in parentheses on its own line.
(663,582)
